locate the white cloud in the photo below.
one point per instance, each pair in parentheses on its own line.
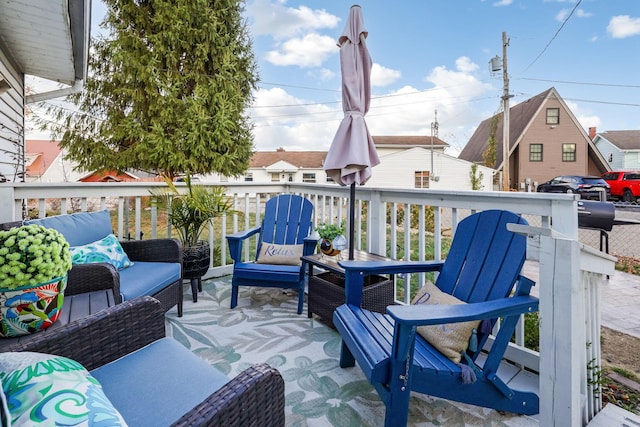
(465,65)
(562,15)
(275,19)
(503,3)
(298,125)
(309,51)
(410,111)
(582,14)
(383,76)
(327,74)
(303,125)
(586,118)
(623,26)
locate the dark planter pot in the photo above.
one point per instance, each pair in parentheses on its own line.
(195,263)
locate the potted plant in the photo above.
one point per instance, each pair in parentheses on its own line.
(189,212)
(34,263)
(328,234)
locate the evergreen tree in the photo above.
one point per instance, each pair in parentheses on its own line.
(167,90)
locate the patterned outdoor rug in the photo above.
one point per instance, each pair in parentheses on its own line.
(266,328)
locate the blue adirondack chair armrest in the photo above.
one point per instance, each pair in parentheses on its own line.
(419,315)
(355,271)
(390,267)
(309,245)
(235,241)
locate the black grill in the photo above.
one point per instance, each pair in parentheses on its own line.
(598,215)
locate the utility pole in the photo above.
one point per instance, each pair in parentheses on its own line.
(505,122)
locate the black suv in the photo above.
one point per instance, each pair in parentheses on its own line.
(588,187)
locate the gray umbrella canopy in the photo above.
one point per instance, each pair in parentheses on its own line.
(352,153)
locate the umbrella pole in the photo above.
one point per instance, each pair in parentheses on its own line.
(352,217)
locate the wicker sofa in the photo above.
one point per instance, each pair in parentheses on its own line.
(116,346)
(156,269)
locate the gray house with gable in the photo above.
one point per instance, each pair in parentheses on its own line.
(620,148)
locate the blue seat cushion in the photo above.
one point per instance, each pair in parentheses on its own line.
(155,385)
(147,278)
(273,272)
(79,228)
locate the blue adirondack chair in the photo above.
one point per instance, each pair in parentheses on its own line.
(482,267)
(287,221)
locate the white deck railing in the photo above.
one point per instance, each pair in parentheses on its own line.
(570,274)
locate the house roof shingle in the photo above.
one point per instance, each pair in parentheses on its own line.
(302,159)
(623,139)
(43,152)
(408,141)
(519,117)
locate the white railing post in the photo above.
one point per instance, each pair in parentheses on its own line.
(8,207)
(378,217)
(562,335)
(569,278)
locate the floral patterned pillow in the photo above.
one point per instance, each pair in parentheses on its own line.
(44,389)
(105,250)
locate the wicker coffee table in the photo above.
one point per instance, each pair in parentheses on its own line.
(326,289)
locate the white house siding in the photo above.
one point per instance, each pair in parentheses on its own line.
(11,121)
(621,159)
(398,170)
(263,175)
(607,149)
(631,159)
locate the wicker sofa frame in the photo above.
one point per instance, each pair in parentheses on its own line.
(254,397)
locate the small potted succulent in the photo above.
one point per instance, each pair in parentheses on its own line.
(34,262)
(328,235)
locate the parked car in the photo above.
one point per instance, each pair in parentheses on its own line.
(624,185)
(588,187)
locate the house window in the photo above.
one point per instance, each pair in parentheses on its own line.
(610,157)
(275,177)
(422,179)
(553,116)
(568,152)
(308,177)
(248,177)
(329,179)
(535,152)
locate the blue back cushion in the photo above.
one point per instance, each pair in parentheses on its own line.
(79,228)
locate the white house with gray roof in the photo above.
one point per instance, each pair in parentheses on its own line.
(620,148)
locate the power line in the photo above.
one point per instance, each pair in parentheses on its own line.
(554,36)
(580,83)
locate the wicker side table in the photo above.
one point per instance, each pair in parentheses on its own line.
(326,293)
(326,289)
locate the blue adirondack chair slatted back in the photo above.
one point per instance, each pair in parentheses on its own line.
(489,275)
(287,220)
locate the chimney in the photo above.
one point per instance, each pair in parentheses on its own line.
(592,133)
(280,150)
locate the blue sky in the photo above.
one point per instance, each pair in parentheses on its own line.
(434,55)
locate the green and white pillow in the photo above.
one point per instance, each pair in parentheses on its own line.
(48,390)
(104,250)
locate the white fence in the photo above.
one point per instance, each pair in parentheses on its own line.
(570,273)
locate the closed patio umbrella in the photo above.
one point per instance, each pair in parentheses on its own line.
(352,153)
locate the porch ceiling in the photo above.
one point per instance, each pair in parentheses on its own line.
(47,38)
